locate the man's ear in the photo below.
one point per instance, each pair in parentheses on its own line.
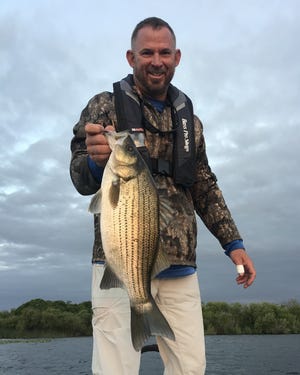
(130,57)
(177,57)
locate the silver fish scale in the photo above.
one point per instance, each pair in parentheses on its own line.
(135,229)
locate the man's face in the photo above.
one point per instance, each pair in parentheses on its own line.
(153,58)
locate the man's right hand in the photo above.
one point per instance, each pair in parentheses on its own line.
(96,143)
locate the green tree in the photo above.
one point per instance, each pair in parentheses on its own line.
(39,318)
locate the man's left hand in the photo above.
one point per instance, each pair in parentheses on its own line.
(240,257)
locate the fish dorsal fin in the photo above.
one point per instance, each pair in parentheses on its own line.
(95,205)
(109,279)
(161,262)
(114,193)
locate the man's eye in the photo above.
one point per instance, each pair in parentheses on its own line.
(146,53)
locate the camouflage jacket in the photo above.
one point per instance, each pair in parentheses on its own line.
(204,197)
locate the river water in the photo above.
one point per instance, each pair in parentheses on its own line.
(226,355)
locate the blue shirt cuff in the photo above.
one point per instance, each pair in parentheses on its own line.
(233,245)
(96,171)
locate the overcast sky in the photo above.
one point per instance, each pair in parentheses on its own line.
(240,66)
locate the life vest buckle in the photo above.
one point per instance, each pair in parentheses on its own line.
(161,166)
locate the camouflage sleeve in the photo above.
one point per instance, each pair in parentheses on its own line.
(97,111)
(208,199)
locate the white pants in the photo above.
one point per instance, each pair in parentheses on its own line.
(178,299)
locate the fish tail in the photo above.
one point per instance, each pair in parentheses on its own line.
(148,323)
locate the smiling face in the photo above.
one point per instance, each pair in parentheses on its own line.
(153,58)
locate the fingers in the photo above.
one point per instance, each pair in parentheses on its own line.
(99,153)
(240,269)
(247,278)
(109,128)
(245,268)
(96,143)
(92,129)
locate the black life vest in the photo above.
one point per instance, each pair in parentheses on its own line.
(130,116)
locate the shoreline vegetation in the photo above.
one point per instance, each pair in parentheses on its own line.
(40,319)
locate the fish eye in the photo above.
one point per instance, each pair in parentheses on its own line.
(129,148)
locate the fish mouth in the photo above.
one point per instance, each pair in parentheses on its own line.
(114,137)
(113,134)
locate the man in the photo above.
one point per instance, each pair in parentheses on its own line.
(176,148)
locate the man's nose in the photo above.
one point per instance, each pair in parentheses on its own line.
(156,59)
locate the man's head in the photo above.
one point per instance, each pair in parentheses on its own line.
(153,57)
(153,22)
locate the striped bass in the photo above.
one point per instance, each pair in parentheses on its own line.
(130,221)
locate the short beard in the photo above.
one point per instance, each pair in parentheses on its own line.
(152,92)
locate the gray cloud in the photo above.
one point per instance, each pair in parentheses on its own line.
(241,70)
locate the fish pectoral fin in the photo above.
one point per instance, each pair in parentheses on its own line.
(95,205)
(110,280)
(166,213)
(161,262)
(114,193)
